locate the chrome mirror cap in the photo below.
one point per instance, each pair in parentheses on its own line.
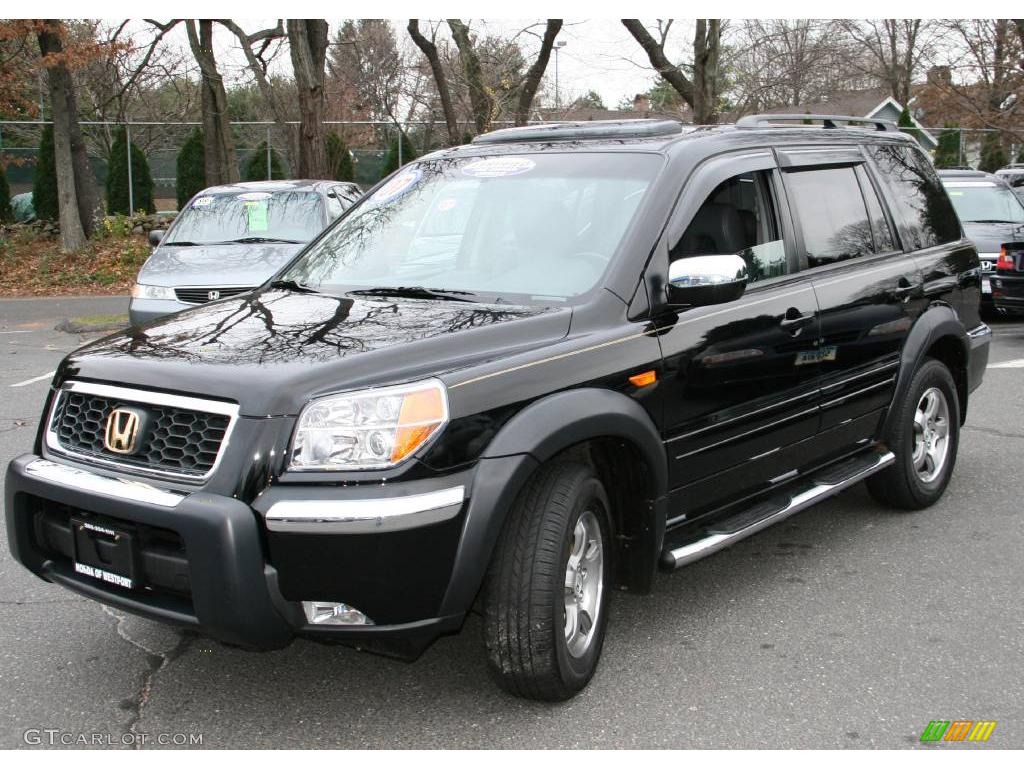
(701,280)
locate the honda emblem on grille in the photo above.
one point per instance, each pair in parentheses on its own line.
(122,433)
(213,295)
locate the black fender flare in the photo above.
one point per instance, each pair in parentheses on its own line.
(936,322)
(537,433)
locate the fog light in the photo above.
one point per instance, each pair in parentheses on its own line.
(333,613)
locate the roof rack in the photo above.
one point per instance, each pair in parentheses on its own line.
(828,121)
(584,129)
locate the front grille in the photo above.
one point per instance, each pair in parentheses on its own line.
(205,294)
(177,440)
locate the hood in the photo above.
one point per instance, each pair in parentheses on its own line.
(989,238)
(224,264)
(273,350)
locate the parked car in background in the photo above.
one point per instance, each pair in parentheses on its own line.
(1013,175)
(991,214)
(232,238)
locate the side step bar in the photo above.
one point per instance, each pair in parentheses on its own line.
(815,488)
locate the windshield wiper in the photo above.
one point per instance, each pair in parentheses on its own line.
(993,221)
(293,285)
(263,240)
(414,292)
(185,242)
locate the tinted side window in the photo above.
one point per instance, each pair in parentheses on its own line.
(925,216)
(884,241)
(830,208)
(739,217)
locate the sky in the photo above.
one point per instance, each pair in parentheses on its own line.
(599,54)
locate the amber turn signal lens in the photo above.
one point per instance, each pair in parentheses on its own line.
(422,412)
(644,379)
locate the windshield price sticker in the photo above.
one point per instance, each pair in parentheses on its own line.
(399,185)
(256,215)
(493,167)
(199,202)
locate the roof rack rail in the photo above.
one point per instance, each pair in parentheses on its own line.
(828,121)
(583,129)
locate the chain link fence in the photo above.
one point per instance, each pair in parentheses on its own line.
(368,143)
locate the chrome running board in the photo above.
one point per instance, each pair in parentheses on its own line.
(805,493)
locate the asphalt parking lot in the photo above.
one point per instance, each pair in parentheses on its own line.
(848,626)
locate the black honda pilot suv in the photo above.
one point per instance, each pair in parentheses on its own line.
(515,376)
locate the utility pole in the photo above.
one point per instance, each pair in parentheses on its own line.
(559,45)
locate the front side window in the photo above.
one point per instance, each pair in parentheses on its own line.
(738,217)
(833,218)
(924,214)
(248,217)
(540,227)
(985,202)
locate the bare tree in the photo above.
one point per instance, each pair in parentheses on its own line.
(218,142)
(430,52)
(480,96)
(528,90)
(702,91)
(79,204)
(307,40)
(892,50)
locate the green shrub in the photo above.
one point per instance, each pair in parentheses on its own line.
(993,156)
(256,166)
(5,195)
(117,178)
(44,184)
(947,154)
(408,154)
(339,159)
(191,168)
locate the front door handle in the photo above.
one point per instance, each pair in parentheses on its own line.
(904,289)
(793,320)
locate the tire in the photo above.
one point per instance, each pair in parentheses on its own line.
(525,594)
(917,479)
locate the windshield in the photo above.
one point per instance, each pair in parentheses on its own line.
(541,226)
(225,217)
(984,201)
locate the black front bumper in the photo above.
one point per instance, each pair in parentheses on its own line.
(206,564)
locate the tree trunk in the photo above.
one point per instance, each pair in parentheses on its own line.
(706,51)
(307,39)
(533,77)
(656,55)
(218,144)
(440,79)
(481,100)
(72,234)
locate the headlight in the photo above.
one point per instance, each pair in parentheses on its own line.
(141,291)
(372,429)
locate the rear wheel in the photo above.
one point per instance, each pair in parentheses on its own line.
(545,600)
(924,436)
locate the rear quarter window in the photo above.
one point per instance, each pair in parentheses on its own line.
(924,215)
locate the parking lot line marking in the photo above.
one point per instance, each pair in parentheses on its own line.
(2,332)
(26,382)
(1019,363)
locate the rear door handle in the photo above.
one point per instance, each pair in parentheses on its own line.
(904,289)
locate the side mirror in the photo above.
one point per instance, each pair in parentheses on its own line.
(697,281)
(155,236)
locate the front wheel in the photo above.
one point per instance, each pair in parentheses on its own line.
(924,436)
(545,600)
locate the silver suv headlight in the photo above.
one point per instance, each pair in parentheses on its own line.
(141,291)
(370,429)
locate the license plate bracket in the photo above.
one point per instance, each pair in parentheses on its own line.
(105,553)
